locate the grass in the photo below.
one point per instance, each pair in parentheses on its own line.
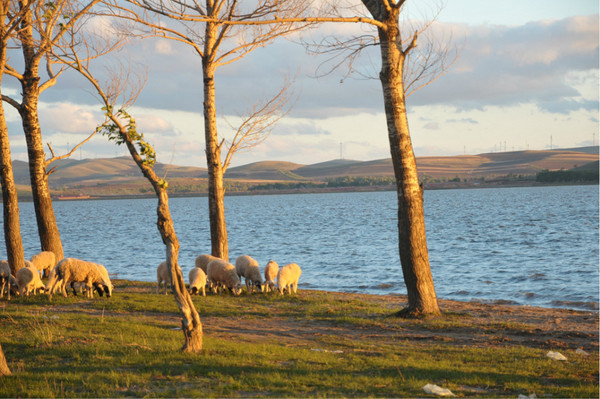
(313,344)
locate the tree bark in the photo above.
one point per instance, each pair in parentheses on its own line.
(4,370)
(216,189)
(412,242)
(42,201)
(12,228)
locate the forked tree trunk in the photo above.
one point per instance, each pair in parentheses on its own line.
(412,242)
(28,110)
(4,370)
(216,189)
(190,323)
(12,228)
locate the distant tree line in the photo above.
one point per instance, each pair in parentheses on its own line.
(344,181)
(568,176)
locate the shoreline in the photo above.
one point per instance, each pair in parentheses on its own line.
(474,301)
(84,195)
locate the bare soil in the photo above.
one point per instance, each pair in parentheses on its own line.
(477,325)
(461,324)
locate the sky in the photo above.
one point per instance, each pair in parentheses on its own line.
(526,77)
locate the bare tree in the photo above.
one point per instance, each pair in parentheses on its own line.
(396,80)
(121,128)
(42,24)
(209,28)
(400,75)
(9,23)
(4,370)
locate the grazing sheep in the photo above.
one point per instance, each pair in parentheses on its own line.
(202,261)
(44,262)
(288,277)
(28,279)
(99,286)
(248,267)
(197,281)
(6,279)
(71,270)
(271,270)
(223,272)
(163,274)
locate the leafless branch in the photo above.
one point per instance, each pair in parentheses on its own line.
(259,121)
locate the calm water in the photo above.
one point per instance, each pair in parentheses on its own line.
(535,246)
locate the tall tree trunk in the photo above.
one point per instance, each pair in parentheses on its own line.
(42,201)
(190,323)
(412,242)
(4,370)
(216,189)
(12,228)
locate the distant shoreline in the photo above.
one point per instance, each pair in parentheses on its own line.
(317,190)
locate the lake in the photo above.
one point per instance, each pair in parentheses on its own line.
(531,246)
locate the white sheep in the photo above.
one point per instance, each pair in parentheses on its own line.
(197,281)
(202,261)
(247,267)
(28,279)
(71,270)
(271,270)
(44,262)
(163,274)
(221,272)
(7,280)
(288,277)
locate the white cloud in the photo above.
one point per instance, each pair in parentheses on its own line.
(68,118)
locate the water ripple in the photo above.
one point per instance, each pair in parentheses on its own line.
(534,246)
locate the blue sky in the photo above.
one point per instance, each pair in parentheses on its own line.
(526,78)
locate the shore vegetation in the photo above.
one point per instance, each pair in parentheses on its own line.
(313,344)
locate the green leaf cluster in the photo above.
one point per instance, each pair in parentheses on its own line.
(114,133)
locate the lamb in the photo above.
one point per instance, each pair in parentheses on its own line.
(197,281)
(28,279)
(6,279)
(271,270)
(248,267)
(71,270)
(44,262)
(163,274)
(202,261)
(288,277)
(222,272)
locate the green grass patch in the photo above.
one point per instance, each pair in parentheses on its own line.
(129,345)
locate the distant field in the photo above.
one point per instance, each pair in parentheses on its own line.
(120,176)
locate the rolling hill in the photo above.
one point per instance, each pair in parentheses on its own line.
(80,176)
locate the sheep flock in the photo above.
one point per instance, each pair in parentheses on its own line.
(209,274)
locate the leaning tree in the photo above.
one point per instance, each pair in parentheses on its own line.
(121,128)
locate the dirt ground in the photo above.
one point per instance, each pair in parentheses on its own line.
(477,325)
(461,324)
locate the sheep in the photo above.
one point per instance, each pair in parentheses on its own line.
(100,287)
(71,270)
(6,279)
(223,272)
(197,281)
(163,274)
(28,279)
(248,267)
(202,261)
(287,278)
(271,270)
(44,262)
